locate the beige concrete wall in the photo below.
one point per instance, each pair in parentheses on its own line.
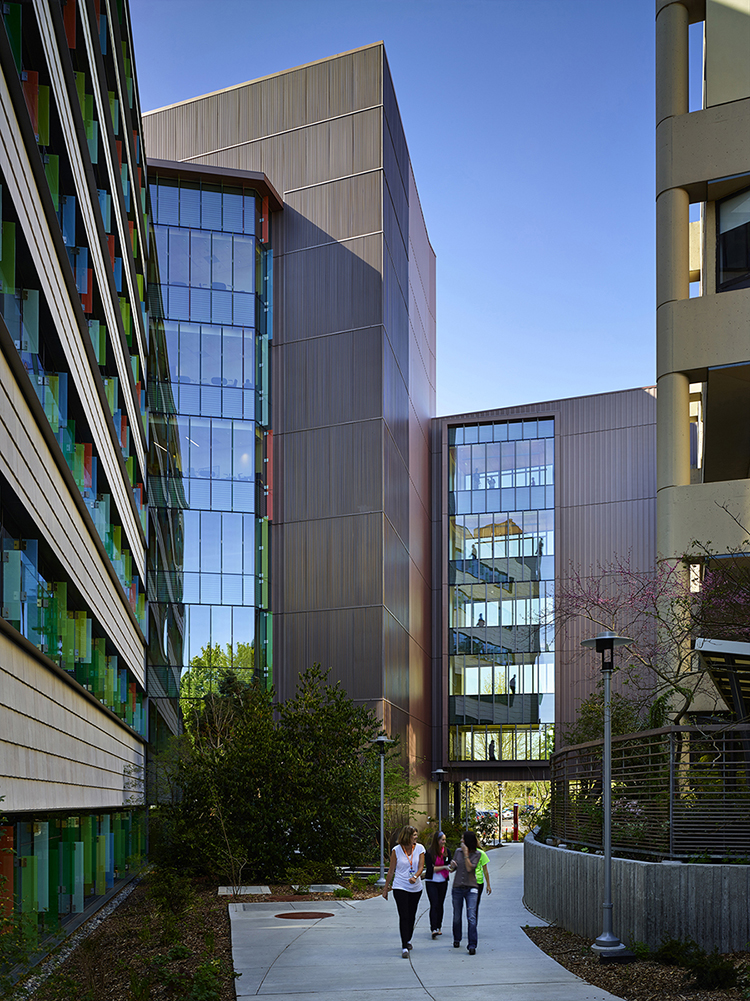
(701,156)
(727,50)
(709,330)
(695,512)
(58,749)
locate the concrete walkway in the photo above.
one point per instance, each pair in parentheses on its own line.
(356,954)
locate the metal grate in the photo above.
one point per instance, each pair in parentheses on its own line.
(677,792)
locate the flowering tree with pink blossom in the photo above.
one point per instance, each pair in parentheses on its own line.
(663,610)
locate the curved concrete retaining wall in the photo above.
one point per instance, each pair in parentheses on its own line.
(708,903)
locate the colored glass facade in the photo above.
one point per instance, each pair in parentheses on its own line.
(501,589)
(210,411)
(74,246)
(55,864)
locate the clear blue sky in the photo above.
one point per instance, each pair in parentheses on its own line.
(530,125)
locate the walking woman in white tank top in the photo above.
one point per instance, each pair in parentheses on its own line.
(404,878)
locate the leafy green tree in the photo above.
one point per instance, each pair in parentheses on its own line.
(230,803)
(334,769)
(258,788)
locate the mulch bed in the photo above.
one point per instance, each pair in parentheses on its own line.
(139,952)
(643,980)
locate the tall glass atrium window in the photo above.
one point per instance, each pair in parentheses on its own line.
(733,242)
(501,590)
(210,405)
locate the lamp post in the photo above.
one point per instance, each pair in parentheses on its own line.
(439,773)
(499,815)
(466,787)
(607,944)
(382,741)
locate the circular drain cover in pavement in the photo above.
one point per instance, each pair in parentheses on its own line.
(305,915)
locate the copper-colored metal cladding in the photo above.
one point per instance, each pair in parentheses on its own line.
(604,507)
(353,362)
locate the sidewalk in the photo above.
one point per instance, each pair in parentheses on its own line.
(356,954)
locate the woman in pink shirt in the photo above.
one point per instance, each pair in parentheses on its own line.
(437,861)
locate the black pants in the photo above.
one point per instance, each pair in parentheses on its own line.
(436,893)
(406,902)
(480,887)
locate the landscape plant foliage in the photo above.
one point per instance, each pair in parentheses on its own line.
(252,789)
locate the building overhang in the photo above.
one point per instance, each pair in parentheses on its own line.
(255,178)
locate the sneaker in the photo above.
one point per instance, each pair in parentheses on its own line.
(472,952)
(404,953)
(409,946)
(435,934)
(456,945)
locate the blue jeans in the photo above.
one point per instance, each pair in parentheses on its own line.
(471,896)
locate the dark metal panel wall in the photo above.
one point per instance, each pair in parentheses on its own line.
(605,508)
(354,394)
(354,370)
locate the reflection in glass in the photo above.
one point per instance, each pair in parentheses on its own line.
(501,573)
(208,253)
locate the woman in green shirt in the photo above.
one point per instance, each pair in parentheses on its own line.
(483,875)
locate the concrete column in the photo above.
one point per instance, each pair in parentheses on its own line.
(672,246)
(672,430)
(672,270)
(671,61)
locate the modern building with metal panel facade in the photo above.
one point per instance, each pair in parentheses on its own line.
(75,716)
(522,496)
(353,371)
(703,331)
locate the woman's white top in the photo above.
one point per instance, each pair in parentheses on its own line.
(407,865)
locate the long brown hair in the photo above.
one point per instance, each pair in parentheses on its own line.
(404,836)
(435,843)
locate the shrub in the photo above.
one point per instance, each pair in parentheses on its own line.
(343,892)
(711,971)
(673,952)
(714,972)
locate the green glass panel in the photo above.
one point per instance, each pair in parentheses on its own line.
(78,874)
(89,854)
(92,137)
(101,863)
(43,113)
(66,863)
(13,27)
(52,173)
(81,91)
(8,262)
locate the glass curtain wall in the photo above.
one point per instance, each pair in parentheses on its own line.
(210,410)
(501,590)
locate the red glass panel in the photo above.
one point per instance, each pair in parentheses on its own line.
(31,93)
(69,18)
(87,298)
